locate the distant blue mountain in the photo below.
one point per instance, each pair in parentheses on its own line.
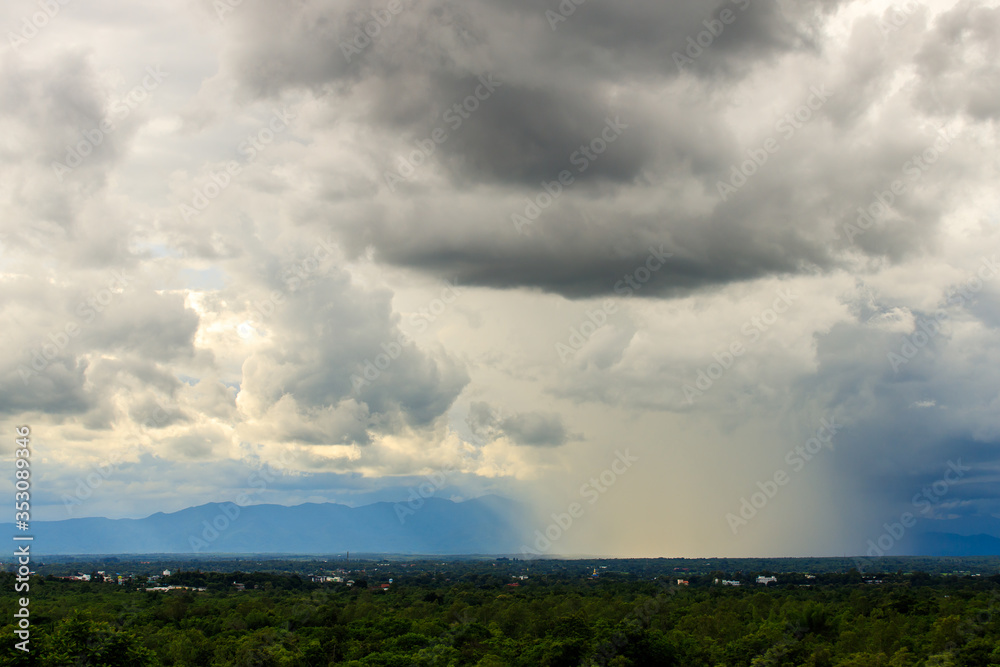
(952,544)
(486,525)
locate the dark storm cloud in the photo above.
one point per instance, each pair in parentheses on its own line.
(321,42)
(525,135)
(559,83)
(553,95)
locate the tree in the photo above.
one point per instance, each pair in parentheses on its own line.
(79,640)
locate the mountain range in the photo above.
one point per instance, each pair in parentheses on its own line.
(486,525)
(942,545)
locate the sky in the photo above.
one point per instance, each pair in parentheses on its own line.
(717,279)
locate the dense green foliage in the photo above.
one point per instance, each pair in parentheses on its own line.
(478,618)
